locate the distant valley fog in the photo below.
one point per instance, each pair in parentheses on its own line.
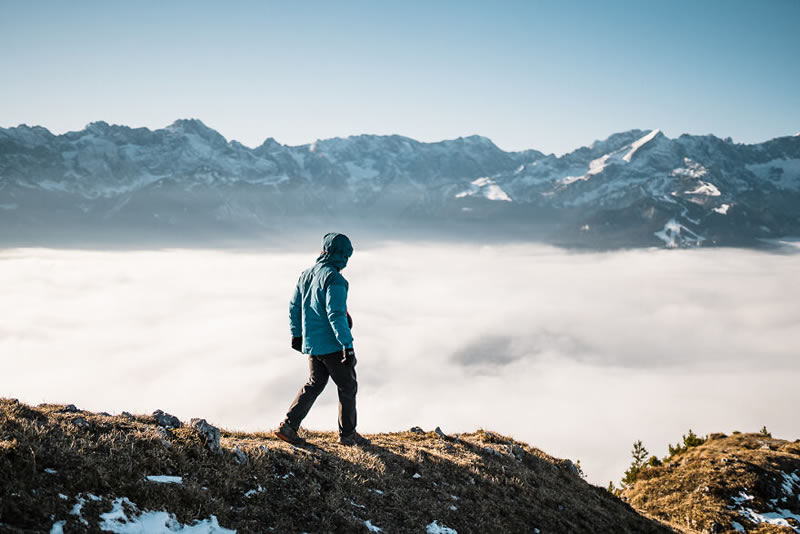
(578,354)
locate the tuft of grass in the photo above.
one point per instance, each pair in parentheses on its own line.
(475,482)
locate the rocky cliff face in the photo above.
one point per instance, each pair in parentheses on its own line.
(636,188)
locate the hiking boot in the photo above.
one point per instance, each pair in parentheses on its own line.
(289,434)
(354,439)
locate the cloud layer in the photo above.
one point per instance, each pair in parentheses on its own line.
(578,354)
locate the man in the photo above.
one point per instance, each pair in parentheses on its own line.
(320,328)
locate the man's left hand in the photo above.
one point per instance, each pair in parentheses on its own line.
(349,356)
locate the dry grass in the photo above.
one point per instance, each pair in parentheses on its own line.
(480,482)
(697,489)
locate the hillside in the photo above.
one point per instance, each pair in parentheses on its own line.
(186,182)
(67,470)
(743,482)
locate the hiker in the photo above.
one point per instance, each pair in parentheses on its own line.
(320,327)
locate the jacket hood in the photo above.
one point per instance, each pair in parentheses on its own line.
(336,250)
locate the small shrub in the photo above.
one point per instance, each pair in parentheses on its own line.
(765,432)
(639,454)
(689,440)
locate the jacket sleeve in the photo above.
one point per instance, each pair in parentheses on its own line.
(296,312)
(336,306)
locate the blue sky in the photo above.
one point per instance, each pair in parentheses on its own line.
(545,75)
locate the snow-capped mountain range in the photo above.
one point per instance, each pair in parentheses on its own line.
(636,188)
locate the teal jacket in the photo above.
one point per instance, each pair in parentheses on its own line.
(318,309)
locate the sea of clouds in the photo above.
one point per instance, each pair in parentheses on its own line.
(579,354)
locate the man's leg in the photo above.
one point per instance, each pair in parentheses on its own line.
(344,376)
(318,377)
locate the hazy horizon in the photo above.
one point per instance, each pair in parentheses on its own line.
(578,354)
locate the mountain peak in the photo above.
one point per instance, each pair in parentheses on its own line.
(97,127)
(471,141)
(196,127)
(188,125)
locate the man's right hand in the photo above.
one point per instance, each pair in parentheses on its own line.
(297,344)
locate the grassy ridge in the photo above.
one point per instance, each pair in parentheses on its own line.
(743,482)
(52,460)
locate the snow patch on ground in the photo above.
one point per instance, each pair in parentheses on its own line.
(691,169)
(165,479)
(789,482)
(437,528)
(487,188)
(705,188)
(77,509)
(118,521)
(639,144)
(723,209)
(675,234)
(252,492)
(58,527)
(783,173)
(778,517)
(371,527)
(596,166)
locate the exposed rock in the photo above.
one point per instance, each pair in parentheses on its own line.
(209,432)
(493,451)
(166,420)
(572,468)
(439,433)
(239,456)
(416,430)
(127,416)
(165,436)
(80,422)
(69,408)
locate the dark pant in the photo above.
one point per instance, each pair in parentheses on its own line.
(344,376)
